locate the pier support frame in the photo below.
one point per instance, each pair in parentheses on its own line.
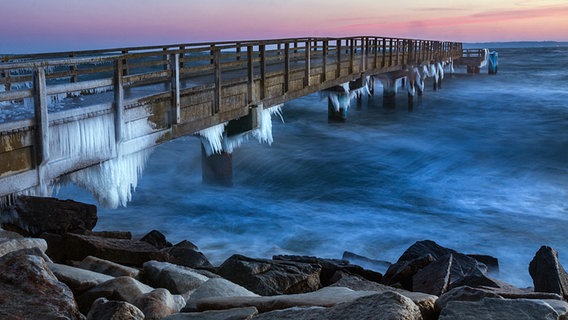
(217,169)
(389,92)
(333,115)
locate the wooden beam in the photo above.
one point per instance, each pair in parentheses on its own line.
(217,76)
(307,67)
(118,101)
(41,118)
(250,74)
(175,89)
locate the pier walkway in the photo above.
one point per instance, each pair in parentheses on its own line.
(63,112)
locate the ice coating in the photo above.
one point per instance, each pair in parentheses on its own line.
(342,100)
(212,138)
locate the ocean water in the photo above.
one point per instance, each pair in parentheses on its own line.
(480,166)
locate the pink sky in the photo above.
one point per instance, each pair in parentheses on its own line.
(56,25)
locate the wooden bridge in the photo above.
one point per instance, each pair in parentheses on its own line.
(136,98)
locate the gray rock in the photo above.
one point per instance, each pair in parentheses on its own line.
(79,280)
(186,244)
(434,278)
(29,290)
(120,288)
(159,303)
(490,308)
(230,314)
(104,309)
(37,215)
(217,287)
(268,277)
(11,245)
(326,297)
(157,239)
(371,264)
(547,273)
(185,256)
(387,306)
(5,234)
(492,263)
(177,279)
(107,267)
(464,293)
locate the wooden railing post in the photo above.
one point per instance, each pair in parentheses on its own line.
(376,48)
(286,66)
(250,73)
(118,100)
(411,59)
(307,68)
(263,86)
(166,58)
(181,63)
(338,41)
(325,52)
(73,69)
(175,88)
(125,69)
(390,52)
(238,52)
(363,55)
(351,53)
(41,118)
(7,84)
(217,76)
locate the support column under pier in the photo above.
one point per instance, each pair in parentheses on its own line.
(334,115)
(473,69)
(389,94)
(217,168)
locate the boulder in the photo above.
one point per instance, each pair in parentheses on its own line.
(435,277)
(491,308)
(216,287)
(37,215)
(29,290)
(79,280)
(157,239)
(5,234)
(367,263)
(270,277)
(547,273)
(104,309)
(230,314)
(159,303)
(387,306)
(185,256)
(122,251)
(186,244)
(11,245)
(127,235)
(107,267)
(121,288)
(492,263)
(464,293)
(421,254)
(177,279)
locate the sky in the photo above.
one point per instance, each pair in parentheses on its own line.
(30,26)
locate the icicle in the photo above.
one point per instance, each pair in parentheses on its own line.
(264,131)
(440,70)
(212,138)
(112,182)
(485,58)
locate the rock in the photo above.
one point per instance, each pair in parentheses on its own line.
(464,293)
(216,287)
(424,301)
(492,263)
(480,280)
(5,234)
(104,309)
(56,247)
(188,257)
(387,306)
(127,235)
(157,239)
(29,290)
(269,277)
(11,245)
(122,251)
(186,244)
(326,297)
(421,254)
(490,308)
(159,303)
(37,215)
(177,279)
(120,288)
(230,314)
(107,267)
(371,264)
(435,277)
(547,273)
(79,280)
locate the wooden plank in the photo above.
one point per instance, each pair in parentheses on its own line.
(40,112)
(118,101)
(175,89)
(217,75)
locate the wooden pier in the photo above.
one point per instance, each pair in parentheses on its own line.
(145,96)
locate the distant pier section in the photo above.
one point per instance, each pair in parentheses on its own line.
(64,112)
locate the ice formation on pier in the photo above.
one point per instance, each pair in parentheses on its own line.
(215,140)
(342,100)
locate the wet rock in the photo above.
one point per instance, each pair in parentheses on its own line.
(79,280)
(121,288)
(547,273)
(492,263)
(11,245)
(104,309)
(186,244)
(270,277)
(421,254)
(387,305)
(159,303)
(480,280)
(29,290)
(37,215)
(107,267)
(6,234)
(490,308)
(367,263)
(188,257)
(216,287)
(435,277)
(127,235)
(122,251)
(157,239)
(230,314)
(464,293)
(177,279)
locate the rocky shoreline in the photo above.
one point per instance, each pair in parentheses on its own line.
(53,266)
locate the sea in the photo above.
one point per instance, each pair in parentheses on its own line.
(479,166)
